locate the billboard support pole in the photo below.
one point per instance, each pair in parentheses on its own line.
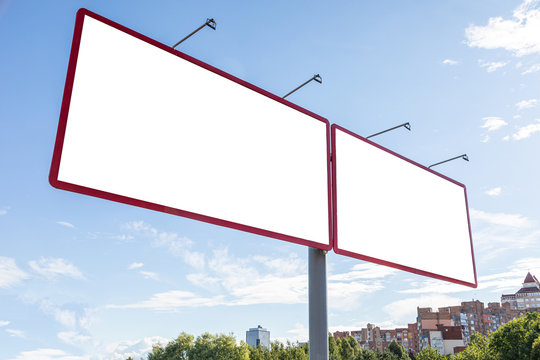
(318,311)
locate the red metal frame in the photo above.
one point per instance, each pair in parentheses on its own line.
(380,261)
(53,175)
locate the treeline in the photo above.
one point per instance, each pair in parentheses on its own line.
(517,340)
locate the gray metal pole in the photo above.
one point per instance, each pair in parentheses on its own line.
(318,311)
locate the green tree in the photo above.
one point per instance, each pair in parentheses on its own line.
(398,350)
(478,349)
(514,340)
(430,353)
(535,350)
(217,347)
(333,348)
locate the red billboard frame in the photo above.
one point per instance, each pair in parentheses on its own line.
(55,165)
(337,250)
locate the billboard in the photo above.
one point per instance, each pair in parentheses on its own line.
(395,212)
(147,125)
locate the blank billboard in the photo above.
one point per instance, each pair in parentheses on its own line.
(395,212)
(147,125)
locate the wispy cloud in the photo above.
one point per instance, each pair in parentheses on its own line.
(524,132)
(74,338)
(52,268)
(492,66)
(499,282)
(136,349)
(512,220)
(176,245)
(16,333)
(526,104)
(48,354)
(149,275)
(135,265)
(3,212)
(4,323)
(518,34)
(66,224)
(492,123)
(281,280)
(10,273)
(496,191)
(404,311)
(450,62)
(531,69)
(66,317)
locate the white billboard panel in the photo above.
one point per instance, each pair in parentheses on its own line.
(392,211)
(146,125)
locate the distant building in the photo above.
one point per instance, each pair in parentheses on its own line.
(525,298)
(258,336)
(450,328)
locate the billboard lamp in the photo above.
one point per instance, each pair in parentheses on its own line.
(464,157)
(209,22)
(315,77)
(405,125)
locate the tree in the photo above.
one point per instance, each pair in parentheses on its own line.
(514,340)
(333,348)
(398,350)
(535,350)
(430,353)
(478,349)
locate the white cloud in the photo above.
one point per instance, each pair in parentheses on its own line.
(66,317)
(364,271)
(492,66)
(496,191)
(51,268)
(137,349)
(172,300)
(518,35)
(526,104)
(485,139)
(404,311)
(492,123)
(299,333)
(48,354)
(3,212)
(525,131)
(264,280)
(175,244)
(149,275)
(16,333)
(135,265)
(74,338)
(516,116)
(450,62)
(512,220)
(532,69)
(10,273)
(66,224)
(4,323)
(496,283)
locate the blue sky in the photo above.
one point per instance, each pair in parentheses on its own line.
(85,278)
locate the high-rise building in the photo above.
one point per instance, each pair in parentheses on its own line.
(258,336)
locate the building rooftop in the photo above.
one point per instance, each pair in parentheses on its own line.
(529,278)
